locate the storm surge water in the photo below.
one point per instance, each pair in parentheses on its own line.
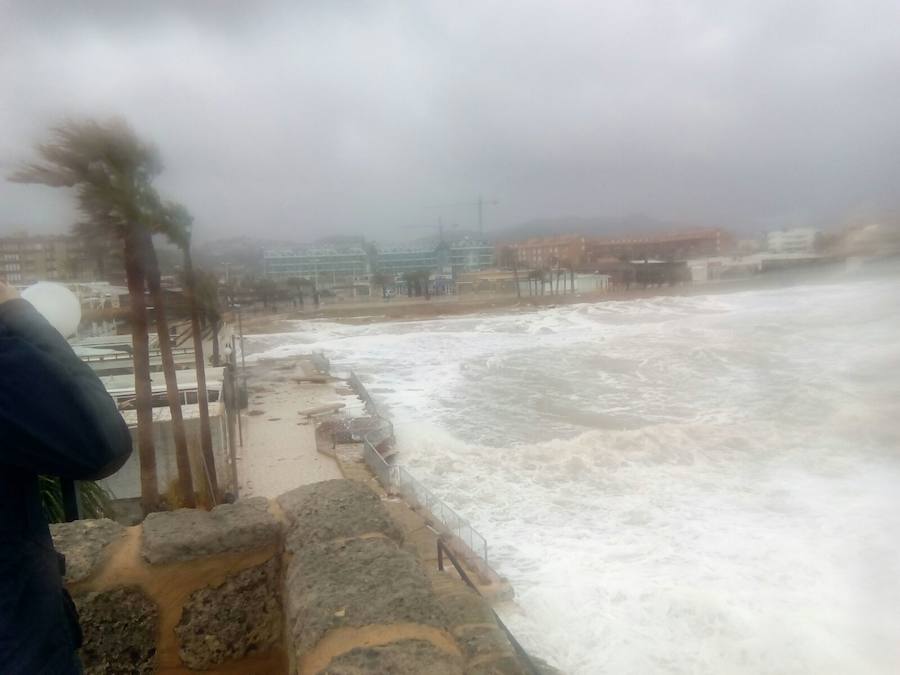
(706,484)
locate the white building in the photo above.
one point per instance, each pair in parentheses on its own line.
(126,482)
(591,283)
(793,240)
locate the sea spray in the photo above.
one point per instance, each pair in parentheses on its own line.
(702,484)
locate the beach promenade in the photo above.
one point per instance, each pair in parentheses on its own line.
(279,451)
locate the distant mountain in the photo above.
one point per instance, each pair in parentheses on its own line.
(598,226)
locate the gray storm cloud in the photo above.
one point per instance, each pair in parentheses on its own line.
(296,120)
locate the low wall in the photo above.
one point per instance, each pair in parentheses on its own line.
(317,581)
(185,590)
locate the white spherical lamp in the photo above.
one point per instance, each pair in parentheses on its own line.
(57,304)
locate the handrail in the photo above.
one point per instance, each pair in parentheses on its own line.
(442,549)
(398,477)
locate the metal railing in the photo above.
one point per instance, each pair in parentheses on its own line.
(397,478)
(125,356)
(363,393)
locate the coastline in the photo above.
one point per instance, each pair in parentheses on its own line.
(296,431)
(377,310)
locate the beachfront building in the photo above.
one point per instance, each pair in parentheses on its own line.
(470,255)
(793,240)
(26,259)
(446,260)
(584,253)
(396,261)
(568,250)
(347,269)
(676,245)
(591,283)
(490,281)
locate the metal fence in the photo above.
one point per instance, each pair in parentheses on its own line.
(396,478)
(361,391)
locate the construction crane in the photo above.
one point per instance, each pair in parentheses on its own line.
(479,204)
(440,228)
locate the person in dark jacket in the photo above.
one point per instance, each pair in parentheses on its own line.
(56,419)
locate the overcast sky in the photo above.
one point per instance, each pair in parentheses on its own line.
(301,119)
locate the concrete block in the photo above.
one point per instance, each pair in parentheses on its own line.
(360,582)
(120,627)
(334,509)
(83,542)
(240,617)
(187,534)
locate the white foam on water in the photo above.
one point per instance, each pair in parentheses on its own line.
(705,484)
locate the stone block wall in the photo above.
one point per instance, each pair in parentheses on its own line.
(187,590)
(318,581)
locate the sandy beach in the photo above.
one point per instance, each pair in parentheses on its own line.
(376,309)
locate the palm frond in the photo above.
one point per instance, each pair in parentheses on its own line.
(95,500)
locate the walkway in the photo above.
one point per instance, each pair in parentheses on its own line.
(279,451)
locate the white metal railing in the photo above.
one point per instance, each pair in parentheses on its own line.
(397,478)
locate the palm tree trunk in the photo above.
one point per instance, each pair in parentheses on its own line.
(516,277)
(134,273)
(202,399)
(185,484)
(216,356)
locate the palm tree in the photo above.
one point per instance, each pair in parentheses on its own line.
(178,224)
(534,277)
(409,278)
(94,500)
(509,258)
(185,482)
(207,294)
(382,280)
(424,278)
(111,170)
(265,291)
(296,283)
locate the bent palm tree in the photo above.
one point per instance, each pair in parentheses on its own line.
(177,225)
(111,170)
(154,286)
